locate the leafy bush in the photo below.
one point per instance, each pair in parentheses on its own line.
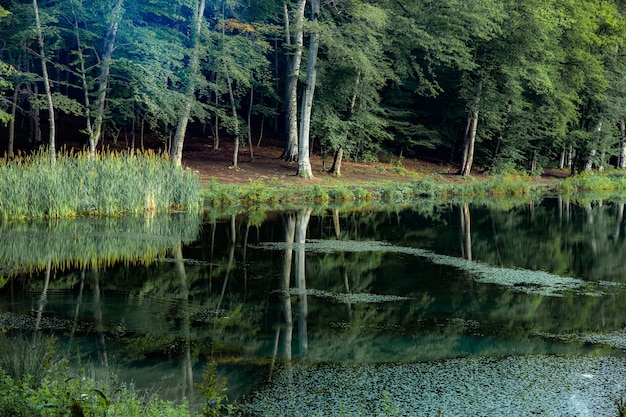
(55,391)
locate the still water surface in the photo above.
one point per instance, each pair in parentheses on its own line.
(417,310)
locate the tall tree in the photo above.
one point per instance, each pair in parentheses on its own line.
(294,39)
(304,161)
(105,68)
(191,83)
(46,82)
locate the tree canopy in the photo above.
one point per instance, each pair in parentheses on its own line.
(501,84)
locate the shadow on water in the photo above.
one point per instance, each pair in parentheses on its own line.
(310,298)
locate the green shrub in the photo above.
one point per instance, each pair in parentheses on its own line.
(62,393)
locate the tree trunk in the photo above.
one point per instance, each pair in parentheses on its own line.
(103,78)
(533,162)
(290,152)
(83,77)
(250,124)
(336,168)
(304,161)
(233,106)
(622,145)
(12,122)
(46,83)
(593,152)
(469,143)
(194,67)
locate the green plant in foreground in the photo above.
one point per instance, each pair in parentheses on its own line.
(53,390)
(213,389)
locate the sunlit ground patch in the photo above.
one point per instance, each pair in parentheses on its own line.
(509,386)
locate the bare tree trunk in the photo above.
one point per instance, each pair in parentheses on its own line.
(304,161)
(46,83)
(194,66)
(233,106)
(469,143)
(85,84)
(12,122)
(250,124)
(592,154)
(621,158)
(290,152)
(336,168)
(469,139)
(103,78)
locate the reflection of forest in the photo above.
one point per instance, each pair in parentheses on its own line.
(226,297)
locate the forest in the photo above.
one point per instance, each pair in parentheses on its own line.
(501,84)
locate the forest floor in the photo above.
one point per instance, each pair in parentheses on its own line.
(270,169)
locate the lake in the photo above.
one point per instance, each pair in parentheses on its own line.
(457,309)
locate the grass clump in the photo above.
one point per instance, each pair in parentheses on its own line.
(609,180)
(110,184)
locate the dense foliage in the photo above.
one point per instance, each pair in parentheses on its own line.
(508,84)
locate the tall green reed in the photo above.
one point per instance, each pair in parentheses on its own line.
(110,184)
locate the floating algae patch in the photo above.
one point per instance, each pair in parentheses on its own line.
(348,298)
(615,339)
(478,386)
(520,280)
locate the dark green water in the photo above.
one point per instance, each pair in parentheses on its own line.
(336,288)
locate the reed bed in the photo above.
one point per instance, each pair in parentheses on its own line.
(111,184)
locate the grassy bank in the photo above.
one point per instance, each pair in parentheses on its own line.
(258,193)
(108,185)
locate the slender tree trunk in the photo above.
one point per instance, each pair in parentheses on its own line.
(85,84)
(233,106)
(12,122)
(622,145)
(290,152)
(194,67)
(250,124)
(533,162)
(469,143)
(336,168)
(46,83)
(103,78)
(304,161)
(593,152)
(216,133)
